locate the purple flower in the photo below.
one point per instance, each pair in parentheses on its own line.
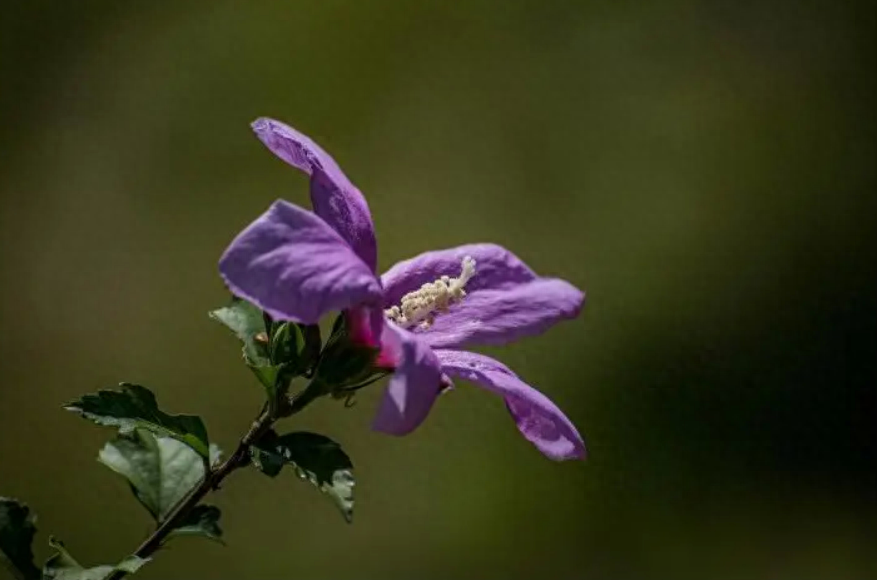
(297,265)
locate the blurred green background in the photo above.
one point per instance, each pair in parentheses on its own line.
(705,170)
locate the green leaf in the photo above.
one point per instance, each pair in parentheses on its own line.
(16,536)
(203,521)
(131,564)
(63,566)
(245,320)
(265,456)
(315,458)
(135,407)
(276,351)
(215,455)
(161,470)
(268,375)
(248,324)
(287,344)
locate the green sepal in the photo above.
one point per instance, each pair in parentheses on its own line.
(344,362)
(287,344)
(135,407)
(17,531)
(294,350)
(313,344)
(339,327)
(295,347)
(314,457)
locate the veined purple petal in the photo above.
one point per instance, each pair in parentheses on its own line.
(538,419)
(347,212)
(416,382)
(502,316)
(291,264)
(335,198)
(495,268)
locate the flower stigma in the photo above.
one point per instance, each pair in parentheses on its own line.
(419,308)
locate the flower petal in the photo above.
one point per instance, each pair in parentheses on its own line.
(291,264)
(502,316)
(365,325)
(495,268)
(335,198)
(416,382)
(538,419)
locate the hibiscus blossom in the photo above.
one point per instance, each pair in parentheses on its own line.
(422,313)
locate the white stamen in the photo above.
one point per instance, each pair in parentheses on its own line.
(419,307)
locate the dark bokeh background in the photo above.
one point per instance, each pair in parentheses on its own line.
(706,170)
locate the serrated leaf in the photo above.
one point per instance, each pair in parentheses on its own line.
(131,564)
(246,321)
(135,407)
(215,455)
(203,521)
(317,459)
(161,470)
(268,375)
(17,530)
(265,456)
(62,566)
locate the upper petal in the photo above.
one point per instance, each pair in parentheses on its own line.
(291,264)
(496,268)
(505,315)
(538,419)
(334,197)
(414,386)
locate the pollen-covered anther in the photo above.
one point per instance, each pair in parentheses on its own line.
(419,308)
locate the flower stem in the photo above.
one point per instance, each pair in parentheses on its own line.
(211,481)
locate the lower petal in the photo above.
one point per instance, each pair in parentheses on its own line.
(416,382)
(538,419)
(502,316)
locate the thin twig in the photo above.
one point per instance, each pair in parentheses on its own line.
(211,481)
